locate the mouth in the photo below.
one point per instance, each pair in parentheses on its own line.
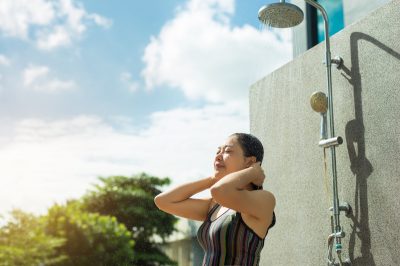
(218,165)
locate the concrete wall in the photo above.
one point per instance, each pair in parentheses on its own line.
(367,110)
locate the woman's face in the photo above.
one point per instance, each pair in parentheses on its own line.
(230,158)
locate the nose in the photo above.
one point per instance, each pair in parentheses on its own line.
(218,156)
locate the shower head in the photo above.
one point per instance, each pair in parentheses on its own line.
(319,102)
(280,15)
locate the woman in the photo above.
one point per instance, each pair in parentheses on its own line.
(237,216)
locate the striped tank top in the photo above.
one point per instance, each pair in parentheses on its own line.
(228,240)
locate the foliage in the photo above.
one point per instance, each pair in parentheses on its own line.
(91,238)
(93,230)
(131,201)
(24,242)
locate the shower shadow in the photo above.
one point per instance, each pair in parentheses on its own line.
(359,164)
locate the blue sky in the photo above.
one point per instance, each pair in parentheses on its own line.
(98,88)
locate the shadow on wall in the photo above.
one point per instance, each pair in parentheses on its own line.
(360,165)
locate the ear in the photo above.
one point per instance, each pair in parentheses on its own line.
(250,161)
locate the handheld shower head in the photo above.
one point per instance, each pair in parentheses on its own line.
(280,15)
(319,102)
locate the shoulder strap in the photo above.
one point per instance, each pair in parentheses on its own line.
(212,210)
(273,220)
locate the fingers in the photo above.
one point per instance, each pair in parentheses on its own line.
(256,164)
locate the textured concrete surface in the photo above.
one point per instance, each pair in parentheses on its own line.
(366,95)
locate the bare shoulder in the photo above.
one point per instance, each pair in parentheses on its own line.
(259,204)
(262,216)
(266,202)
(264,196)
(269,196)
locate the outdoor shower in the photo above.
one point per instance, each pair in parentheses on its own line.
(284,15)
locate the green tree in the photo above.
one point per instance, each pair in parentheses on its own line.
(131,201)
(91,238)
(23,241)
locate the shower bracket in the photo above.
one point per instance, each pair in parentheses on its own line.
(337,61)
(326,143)
(344,207)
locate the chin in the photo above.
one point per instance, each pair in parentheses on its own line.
(219,174)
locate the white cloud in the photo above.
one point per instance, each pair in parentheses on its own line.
(37,78)
(201,53)
(52,24)
(51,161)
(33,73)
(16,16)
(101,21)
(59,36)
(4,61)
(127,80)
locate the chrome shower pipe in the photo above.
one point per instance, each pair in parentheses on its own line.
(328,64)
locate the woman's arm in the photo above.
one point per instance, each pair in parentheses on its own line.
(230,192)
(178,200)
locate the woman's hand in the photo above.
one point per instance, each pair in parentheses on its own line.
(213,180)
(259,175)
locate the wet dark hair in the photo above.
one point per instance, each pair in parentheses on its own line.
(250,145)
